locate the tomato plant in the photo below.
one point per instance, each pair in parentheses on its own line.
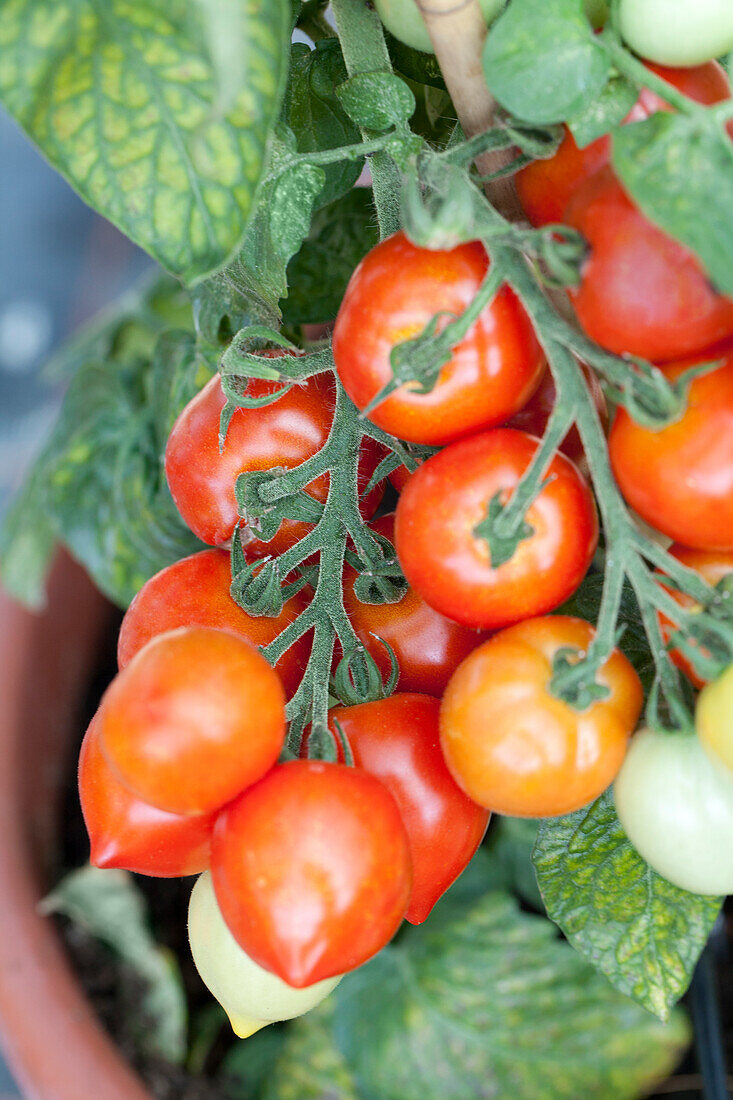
(251,996)
(680,313)
(677,809)
(455,369)
(126,832)
(545,187)
(680,479)
(195,592)
(397,741)
(197,716)
(446,554)
(677,33)
(518,749)
(428,646)
(491,372)
(202,477)
(297,905)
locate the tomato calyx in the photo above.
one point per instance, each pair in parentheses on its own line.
(573,678)
(358,678)
(503,531)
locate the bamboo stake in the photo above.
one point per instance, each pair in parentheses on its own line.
(458,31)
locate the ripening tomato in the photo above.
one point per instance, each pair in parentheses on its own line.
(680,479)
(677,32)
(449,563)
(312,869)
(251,996)
(128,833)
(428,646)
(545,187)
(195,592)
(516,748)
(714,719)
(284,434)
(196,716)
(397,740)
(713,566)
(641,292)
(676,808)
(393,294)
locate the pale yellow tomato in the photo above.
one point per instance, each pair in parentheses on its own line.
(714,718)
(250,996)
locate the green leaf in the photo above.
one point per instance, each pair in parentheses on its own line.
(156,111)
(249,1063)
(377,101)
(511,841)
(493,1004)
(105,489)
(605,112)
(535,45)
(675,167)
(639,930)
(421,67)
(340,236)
(109,906)
(314,114)
(27,543)
(310,1067)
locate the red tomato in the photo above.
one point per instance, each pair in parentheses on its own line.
(397,741)
(196,716)
(680,479)
(428,646)
(285,434)
(713,566)
(311,870)
(126,832)
(641,292)
(535,414)
(195,592)
(450,565)
(516,748)
(545,187)
(391,297)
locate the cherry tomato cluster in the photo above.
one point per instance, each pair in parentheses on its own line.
(308,866)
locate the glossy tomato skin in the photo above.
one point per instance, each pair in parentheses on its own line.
(127,833)
(545,187)
(713,566)
(196,716)
(397,740)
(391,297)
(284,434)
(517,749)
(195,592)
(450,566)
(251,996)
(680,479)
(428,646)
(676,808)
(714,720)
(312,870)
(676,312)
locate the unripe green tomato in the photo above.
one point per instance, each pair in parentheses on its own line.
(676,807)
(251,996)
(402,18)
(677,32)
(714,719)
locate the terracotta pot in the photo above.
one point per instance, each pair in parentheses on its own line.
(54,1044)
